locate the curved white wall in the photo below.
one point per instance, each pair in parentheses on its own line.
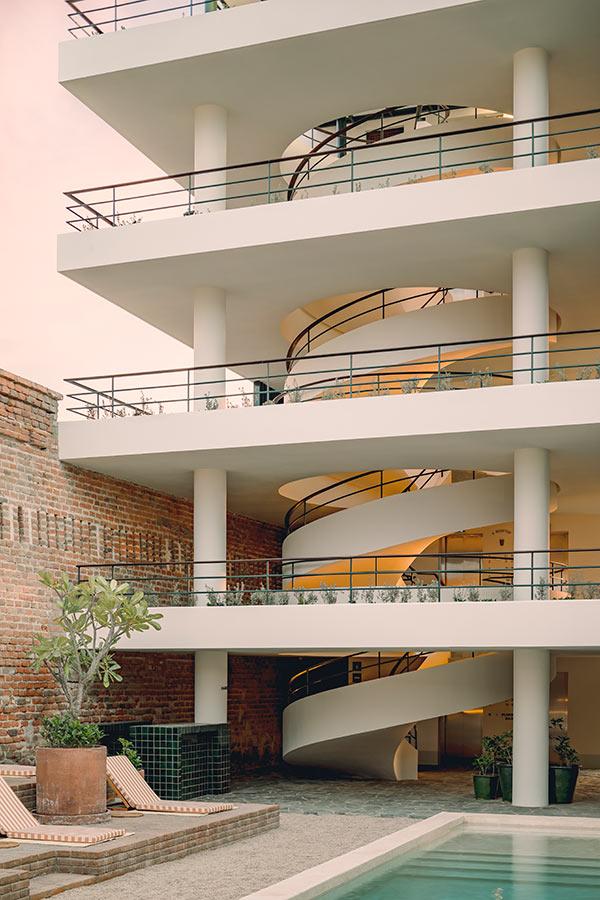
(405,517)
(359,728)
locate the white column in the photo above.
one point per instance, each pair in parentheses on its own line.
(530,314)
(210,687)
(531,696)
(210,152)
(530,100)
(210,532)
(531,523)
(210,345)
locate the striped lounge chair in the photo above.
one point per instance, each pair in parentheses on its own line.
(137,793)
(12,770)
(16,822)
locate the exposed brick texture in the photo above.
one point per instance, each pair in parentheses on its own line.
(53,516)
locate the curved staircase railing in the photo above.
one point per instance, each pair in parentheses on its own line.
(306,338)
(335,672)
(342,140)
(309,508)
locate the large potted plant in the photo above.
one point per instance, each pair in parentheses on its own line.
(486,783)
(563,777)
(92,618)
(503,752)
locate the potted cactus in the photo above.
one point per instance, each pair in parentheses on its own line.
(563,777)
(79,653)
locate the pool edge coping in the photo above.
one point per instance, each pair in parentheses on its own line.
(313,882)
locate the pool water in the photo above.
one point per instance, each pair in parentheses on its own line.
(476,865)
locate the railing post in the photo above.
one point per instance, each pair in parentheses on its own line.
(188,390)
(112,395)
(268,574)
(114,205)
(439,365)
(351,374)
(351,580)
(440,157)
(352,171)
(383,304)
(269,181)
(116,14)
(532,358)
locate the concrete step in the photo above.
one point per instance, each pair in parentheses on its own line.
(50,885)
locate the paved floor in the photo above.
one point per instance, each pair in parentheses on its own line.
(231,872)
(434,792)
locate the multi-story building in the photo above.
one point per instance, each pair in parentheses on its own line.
(377,228)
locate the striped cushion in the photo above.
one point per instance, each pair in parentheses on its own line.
(191,809)
(10,770)
(138,794)
(67,835)
(17,822)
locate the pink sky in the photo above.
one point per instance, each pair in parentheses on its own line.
(51,328)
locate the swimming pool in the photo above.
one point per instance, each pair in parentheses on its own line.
(475,865)
(461,856)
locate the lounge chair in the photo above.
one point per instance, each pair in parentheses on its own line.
(17,822)
(137,793)
(12,770)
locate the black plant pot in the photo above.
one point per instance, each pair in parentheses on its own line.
(505,773)
(562,783)
(486,787)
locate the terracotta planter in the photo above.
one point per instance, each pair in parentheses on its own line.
(71,785)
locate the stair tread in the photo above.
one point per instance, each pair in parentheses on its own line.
(55,883)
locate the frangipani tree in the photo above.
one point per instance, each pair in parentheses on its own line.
(92,618)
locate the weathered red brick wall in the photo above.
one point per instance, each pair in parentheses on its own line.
(53,516)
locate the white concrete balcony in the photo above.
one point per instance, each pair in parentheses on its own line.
(146,81)
(270,259)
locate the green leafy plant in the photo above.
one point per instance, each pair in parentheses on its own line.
(485,763)
(62,730)
(562,746)
(329,594)
(92,618)
(128,750)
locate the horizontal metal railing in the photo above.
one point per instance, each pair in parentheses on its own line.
(389,578)
(417,158)
(339,671)
(376,484)
(93,17)
(419,368)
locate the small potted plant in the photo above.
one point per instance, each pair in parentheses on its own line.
(503,753)
(563,777)
(92,617)
(486,783)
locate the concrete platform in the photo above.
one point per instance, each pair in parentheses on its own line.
(35,871)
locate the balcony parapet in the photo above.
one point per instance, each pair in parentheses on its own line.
(540,575)
(422,158)
(423,368)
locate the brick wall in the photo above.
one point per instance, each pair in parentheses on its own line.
(53,516)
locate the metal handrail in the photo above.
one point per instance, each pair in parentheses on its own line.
(386,578)
(356,365)
(293,354)
(405,662)
(273,165)
(291,522)
(115,17)
(303,170)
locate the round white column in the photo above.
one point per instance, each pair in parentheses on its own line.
(531,523)
(531,698)
(210,532)
(530,314)
(210,687)
(210,152)
(530,100)
(210,344)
